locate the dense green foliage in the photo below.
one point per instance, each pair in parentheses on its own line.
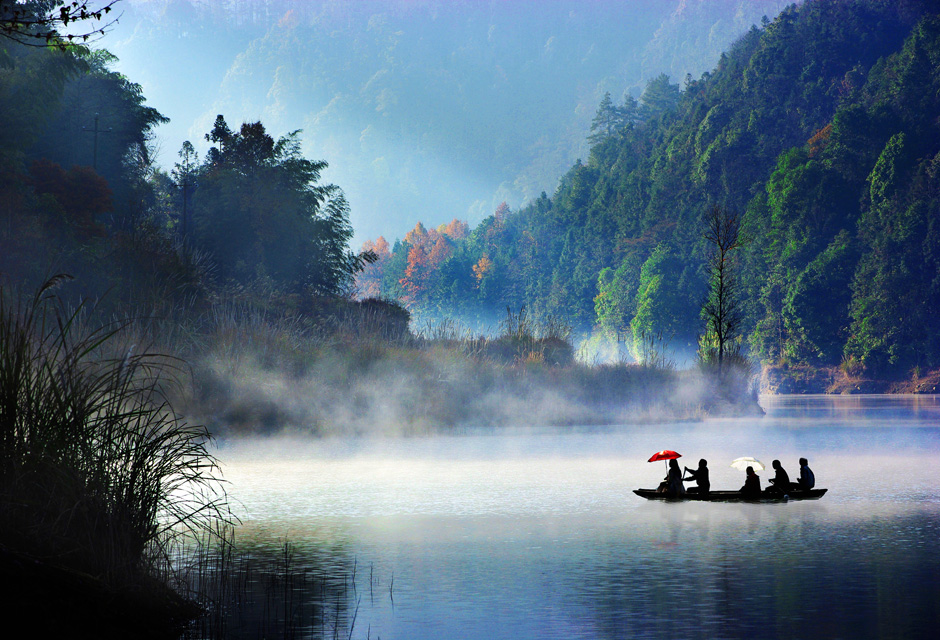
(260,212)
(819,128)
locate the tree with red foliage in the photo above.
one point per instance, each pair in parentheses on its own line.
(416,273)
(440,252)
(369,280)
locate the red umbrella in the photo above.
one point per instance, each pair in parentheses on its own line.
(665,454)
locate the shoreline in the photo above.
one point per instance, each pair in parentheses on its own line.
(804,379)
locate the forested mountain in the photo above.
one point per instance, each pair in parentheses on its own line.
(424,109)
(818,128)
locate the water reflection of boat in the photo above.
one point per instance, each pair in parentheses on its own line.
(732,496)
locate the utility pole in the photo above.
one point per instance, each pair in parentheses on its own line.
(96,131)
(186,185)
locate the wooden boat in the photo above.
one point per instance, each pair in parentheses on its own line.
(733,496)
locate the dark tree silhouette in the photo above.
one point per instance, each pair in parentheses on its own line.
(722,309)
(262,214)
(53,22)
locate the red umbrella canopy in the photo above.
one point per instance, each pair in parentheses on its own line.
(665,454)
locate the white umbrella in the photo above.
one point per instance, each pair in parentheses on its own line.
(742,464)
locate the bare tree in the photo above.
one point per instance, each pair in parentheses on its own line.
(57,23)
(722,309)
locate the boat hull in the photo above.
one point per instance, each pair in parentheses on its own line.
(732,496)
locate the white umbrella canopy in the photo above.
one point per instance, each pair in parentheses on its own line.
(742,464)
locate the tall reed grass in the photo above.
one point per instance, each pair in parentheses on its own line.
(520,340)
(97,472)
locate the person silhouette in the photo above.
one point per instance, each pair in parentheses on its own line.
(674,486)
(807,479)
(700,475)
(780,481)
(751,488)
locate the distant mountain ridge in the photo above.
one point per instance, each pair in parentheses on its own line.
(424,110)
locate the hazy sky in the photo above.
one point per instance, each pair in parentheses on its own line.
(425,110)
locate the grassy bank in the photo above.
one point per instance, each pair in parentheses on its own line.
(98,475)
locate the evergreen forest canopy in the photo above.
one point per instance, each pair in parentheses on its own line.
(818,129)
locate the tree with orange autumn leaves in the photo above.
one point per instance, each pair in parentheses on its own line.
(440,251)
(427,250)
(413,283)
(416,236)
(369,280)
(430,263)
(483,266)
(455,229)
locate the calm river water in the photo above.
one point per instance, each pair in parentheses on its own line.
(536,533)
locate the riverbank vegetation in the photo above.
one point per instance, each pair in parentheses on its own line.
(99,477)
(248,378)
(110,502)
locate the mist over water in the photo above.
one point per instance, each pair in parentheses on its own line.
(535,533)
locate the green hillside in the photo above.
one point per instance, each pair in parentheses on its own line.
(819,129)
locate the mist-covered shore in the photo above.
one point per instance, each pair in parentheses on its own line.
(106,472)
(417,391)
(360,370)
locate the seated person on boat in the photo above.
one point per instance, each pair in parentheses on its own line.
(807,479)
(672,484)
(700,476)
(781,481)
(751,486)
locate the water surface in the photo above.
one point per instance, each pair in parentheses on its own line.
(536,533)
